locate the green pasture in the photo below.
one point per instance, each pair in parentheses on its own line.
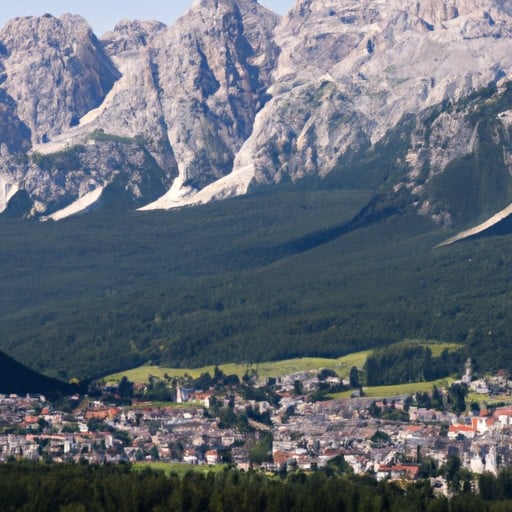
(397,390)
(341,365)
(178,468)
(265,370)
(487,400)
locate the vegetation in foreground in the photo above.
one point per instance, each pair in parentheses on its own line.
(40,488)
(177,468)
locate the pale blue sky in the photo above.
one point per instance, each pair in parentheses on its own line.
(104,14)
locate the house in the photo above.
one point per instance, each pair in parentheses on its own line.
(31,420)
(183,394)
(190,456)
(212,457)
(465,430)
(281,457)
(203,398)
(483,459)
(479,386)
(481,425)
(398,471)
(96,415)
(503,415)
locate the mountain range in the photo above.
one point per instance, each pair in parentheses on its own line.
(356,141)
(233,97)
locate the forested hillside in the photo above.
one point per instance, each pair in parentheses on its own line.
(269,276)
(17,378)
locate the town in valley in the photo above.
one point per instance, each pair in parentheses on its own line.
(279,425)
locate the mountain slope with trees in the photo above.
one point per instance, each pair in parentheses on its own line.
(268,276)
(17,378)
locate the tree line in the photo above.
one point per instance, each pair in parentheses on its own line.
(31,487)
(410,362)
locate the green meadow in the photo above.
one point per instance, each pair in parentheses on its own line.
(398,390)
(341,365)
(178,468)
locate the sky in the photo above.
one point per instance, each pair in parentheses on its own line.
(102,15)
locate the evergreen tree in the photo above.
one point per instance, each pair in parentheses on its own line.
(354,377)
(125,388)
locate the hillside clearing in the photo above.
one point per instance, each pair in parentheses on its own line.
(265,370)
(397,390)
(178,468)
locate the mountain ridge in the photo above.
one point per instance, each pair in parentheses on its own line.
(250,98)
(19,379)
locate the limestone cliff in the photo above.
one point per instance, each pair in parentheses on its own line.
(232,96)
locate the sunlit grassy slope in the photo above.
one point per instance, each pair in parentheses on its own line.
(179,469)
(341,365)
(398,390)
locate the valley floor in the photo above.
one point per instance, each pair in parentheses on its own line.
(275,426)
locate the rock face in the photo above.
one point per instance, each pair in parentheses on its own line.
(359,67)
(56,70)
(231,97)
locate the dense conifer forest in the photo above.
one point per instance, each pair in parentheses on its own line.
(410,362)
(80,488)
(17,378)
(277,274)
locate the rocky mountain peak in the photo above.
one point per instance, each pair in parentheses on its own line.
(232,95)
(130,35)
(218,4)
(56,70)
(436,12)
(219,80)
(433,12)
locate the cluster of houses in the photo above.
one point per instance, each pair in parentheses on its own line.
(319,432)
(304,434)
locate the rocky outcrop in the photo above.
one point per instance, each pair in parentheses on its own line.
(102,160)
(188,94)
(231,97)
(212,89)
(378,61)
(56,71)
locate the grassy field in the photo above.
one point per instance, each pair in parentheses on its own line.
(398,390)
(180,469)
(341,365)
(495,400)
